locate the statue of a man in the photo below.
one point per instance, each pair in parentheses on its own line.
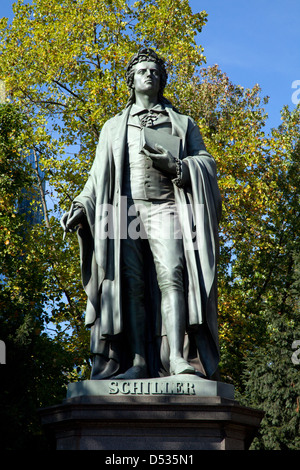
(152,292)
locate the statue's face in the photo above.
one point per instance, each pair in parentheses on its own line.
(146,78)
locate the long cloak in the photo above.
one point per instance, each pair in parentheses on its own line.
(100,251)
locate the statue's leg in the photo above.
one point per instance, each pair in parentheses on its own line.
(134,312)
(106,354)
(174,319)
(167,249)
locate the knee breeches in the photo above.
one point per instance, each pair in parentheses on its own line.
(157,224)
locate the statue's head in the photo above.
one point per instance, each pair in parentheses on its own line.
(146,55)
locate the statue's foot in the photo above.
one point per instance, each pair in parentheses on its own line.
(135,372)
(180,366)
(110,370)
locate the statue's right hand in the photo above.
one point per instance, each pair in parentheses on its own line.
(63,220)
(70,220)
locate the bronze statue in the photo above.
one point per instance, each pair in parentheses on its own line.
(148,233)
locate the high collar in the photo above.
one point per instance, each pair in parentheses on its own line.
(135,109)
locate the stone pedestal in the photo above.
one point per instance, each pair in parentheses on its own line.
(171,414)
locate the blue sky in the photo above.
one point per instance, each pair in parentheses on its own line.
(253,41)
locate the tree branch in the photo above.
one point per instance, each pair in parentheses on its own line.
(42,192)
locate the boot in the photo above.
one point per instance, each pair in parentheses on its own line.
(174,319)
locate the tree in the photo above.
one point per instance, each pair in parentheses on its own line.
(33,375)
(271,373)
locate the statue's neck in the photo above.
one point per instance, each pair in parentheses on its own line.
(145,101)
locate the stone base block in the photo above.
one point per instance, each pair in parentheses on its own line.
(134,421)
(187,385)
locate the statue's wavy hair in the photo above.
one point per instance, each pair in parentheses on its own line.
(146,54)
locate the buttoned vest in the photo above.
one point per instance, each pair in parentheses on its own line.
(141,180)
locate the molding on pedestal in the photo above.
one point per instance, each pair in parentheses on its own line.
(150,422)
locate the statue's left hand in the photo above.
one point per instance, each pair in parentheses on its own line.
(163,160)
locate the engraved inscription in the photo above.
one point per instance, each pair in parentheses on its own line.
(151,388)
